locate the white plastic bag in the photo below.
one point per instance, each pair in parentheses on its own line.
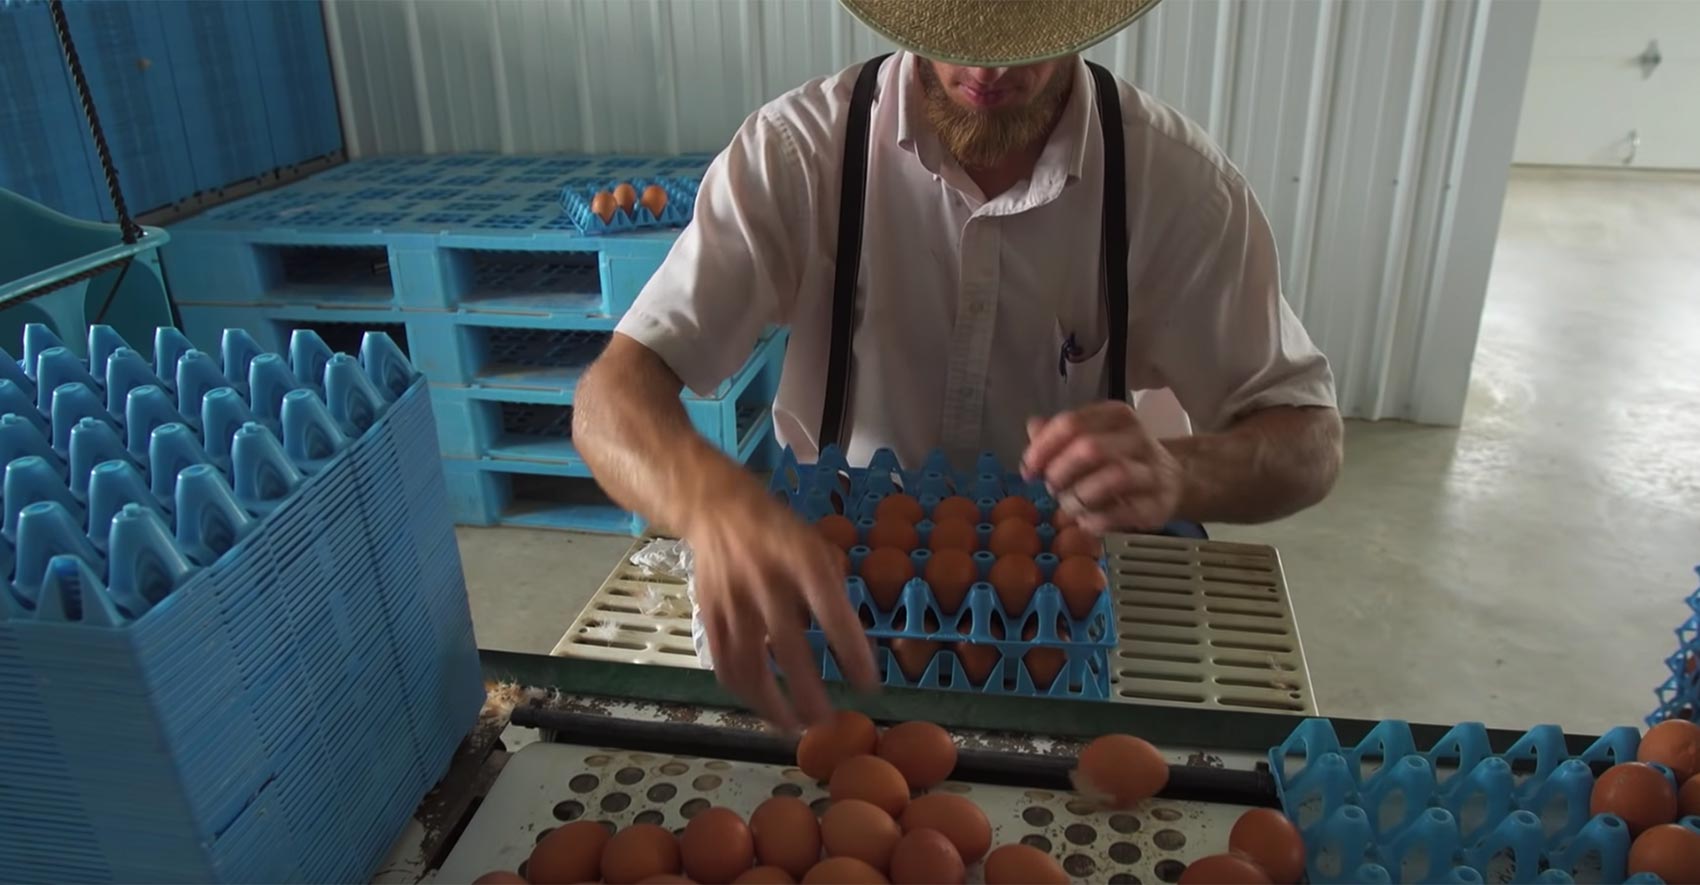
(673,558)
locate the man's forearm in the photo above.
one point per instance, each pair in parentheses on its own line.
(631,429)
(1270,464)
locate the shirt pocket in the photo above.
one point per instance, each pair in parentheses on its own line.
(1078,378)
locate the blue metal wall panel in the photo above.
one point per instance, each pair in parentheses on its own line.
(295,78)
(217,80)
(44,153)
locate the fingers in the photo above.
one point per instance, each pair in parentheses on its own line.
(838,620)
(740,663)
(1048,438)
(1079,459)
(785,634)
(1118,497)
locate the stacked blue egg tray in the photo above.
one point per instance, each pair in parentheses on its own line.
(1386,810)
(234,639)
(831,485)
(578,194)
(1679,694)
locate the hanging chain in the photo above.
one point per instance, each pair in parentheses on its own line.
(127,225)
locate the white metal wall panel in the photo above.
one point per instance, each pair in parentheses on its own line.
(1374,132)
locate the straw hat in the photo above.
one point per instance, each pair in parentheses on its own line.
(996,33)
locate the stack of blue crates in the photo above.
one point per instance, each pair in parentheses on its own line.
(470,262)
(1679,694)
(234,641)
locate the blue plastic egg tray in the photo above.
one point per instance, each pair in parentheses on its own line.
(1386,810)
(831,486)
(577,194)
(234,636)
(1679,694)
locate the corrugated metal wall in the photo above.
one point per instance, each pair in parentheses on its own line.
(1376,132)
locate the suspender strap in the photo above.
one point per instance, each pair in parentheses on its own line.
(852,193)
(852,197)
(1115,225)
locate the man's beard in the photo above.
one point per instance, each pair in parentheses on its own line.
(979,139)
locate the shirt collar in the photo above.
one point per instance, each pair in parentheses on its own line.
(1062,161)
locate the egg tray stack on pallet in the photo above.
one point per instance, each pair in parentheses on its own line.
(1385,811)
(471,263)
(1679,694)
(234,640)
(1025,636)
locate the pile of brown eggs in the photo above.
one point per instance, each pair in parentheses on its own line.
(1650,803)
(624,198)
(883,826)
(950,570)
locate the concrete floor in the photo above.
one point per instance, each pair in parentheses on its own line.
(1526,568)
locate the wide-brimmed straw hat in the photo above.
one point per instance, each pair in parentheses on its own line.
(996,33)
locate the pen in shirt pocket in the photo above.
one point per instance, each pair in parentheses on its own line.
(1071,353)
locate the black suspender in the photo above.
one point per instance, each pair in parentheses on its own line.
(852,196)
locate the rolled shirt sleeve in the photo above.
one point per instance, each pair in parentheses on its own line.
(735,269)
(1227,343)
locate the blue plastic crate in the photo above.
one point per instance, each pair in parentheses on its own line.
(219,587)
(831,485)
(1388,810)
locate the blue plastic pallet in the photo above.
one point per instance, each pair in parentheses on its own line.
(484,234)
(1679,694)
(213,587)
(1386,810)
(519,406)
(815,490)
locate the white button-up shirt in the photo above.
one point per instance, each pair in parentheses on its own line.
(965,304)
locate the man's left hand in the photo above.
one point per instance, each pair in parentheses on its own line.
(1103,467)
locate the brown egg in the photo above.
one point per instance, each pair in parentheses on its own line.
(1081,583)
(654,199)
(1023,865)
(959,819)
(853,828)
(625,196)
(837,530)
(765,876)
(1120,771)
(1636,792)
(950,573)
(926,857)
(1669,851)
(894,533)
(913,656)
(1015,578)
(502,877)
(667,879)
(716,846)
(922,751)
(956,507)
(872,780)
(1223,869)
(1076,541)
(978,661)
(1043,663)
(1675,744)
(1015,506)
(844,871)
(954,534)
(1688,798)
(604,206)
(885,571)
(1015,537)
(570,853)
(824,746)
(899,507)
(787,834)
(639,852)
(1271,841)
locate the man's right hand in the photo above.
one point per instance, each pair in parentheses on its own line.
(759,571)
